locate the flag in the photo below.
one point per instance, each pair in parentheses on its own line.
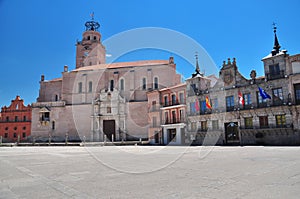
(197,105)
(263,93)
(208,105)
(241,99)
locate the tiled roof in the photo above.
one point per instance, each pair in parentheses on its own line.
(124,65)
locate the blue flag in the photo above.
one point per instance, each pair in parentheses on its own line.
(263,94)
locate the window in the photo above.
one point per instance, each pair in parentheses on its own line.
(173,99)
(16,118)
(88,38)
(277,96)
(193,107)
(215,103)
(53,125)
(193,126)
(215,124)
(144,82)
(56,98)
(274,69)
(45,116)
(95,38)
(6,128)
(24,118)
(5,135)
(108,109)
(247,99)
(90,86)
(24,135)
(280,120)
(263,122)
(229,103)
(154,121)
(181,115)
(24,127)
(166,103)
(248,122)
(181,98)
(274,72)
(7,119)
(174,117)
(155,82)
(15,128)
(15,135)
(260,101)
(122,84)
(297,93)
(202,107)
(112,85)
(203,125)
(80,87)
(166,118)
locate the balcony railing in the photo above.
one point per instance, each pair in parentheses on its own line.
(173,121)
(173,103)
(278,75)
(271,126)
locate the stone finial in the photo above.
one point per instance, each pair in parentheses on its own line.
(42,78)
(253,74)
(224,63)
(171,60)
(228,62)
(65,68)
(234,61)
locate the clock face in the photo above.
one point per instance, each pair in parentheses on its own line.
(86,53)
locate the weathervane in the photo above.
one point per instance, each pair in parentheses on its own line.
(92,25)
(274,27)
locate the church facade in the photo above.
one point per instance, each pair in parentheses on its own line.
(98,101)
(240,111)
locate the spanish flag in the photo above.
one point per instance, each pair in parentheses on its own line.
(208,105)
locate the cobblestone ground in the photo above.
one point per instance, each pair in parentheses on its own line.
(149,172)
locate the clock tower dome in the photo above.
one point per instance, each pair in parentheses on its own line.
(90,50)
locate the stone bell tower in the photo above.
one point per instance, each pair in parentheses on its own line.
(90,50)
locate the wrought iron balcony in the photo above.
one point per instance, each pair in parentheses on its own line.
(173,103)
(173,121)
(278,75)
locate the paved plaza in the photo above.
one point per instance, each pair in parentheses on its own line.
(149,172)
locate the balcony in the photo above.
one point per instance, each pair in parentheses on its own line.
(278,75)
(271,126)
(173,121)
(173,103)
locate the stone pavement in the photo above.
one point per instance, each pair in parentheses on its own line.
(149,172)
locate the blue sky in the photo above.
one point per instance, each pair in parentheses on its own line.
(38,36)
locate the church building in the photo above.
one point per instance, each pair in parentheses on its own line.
(99,101)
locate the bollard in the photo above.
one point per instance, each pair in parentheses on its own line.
(140,140)
(84,138)
(104,139)
(33,141)
(0,140)
(66,139)
(49,140)
(112,138)
(18,140)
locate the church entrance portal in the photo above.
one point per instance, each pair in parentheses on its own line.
(109,129)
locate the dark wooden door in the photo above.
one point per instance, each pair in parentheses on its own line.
(109,128)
